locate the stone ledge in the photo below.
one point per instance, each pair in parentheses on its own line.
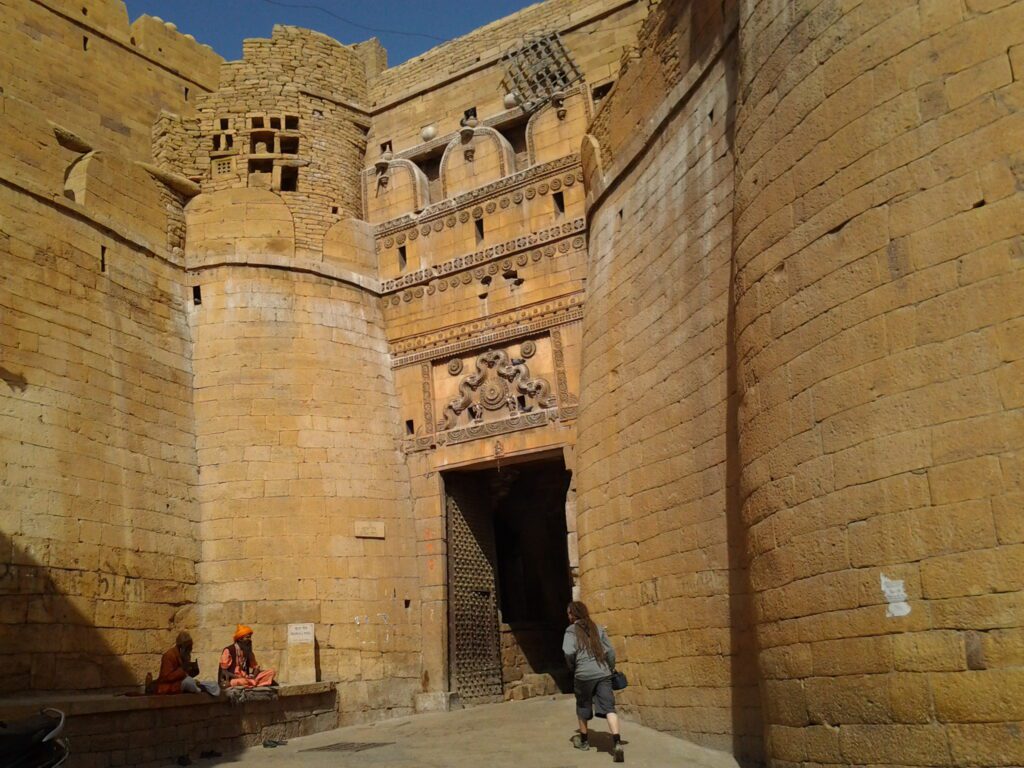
(101,703)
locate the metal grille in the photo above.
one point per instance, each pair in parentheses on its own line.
(349,746)
(476,654)
(538,69)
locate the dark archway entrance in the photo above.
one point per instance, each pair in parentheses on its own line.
(508,579)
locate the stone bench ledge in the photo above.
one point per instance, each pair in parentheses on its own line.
(101,703)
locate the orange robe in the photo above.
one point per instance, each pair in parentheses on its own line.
(172,672)
(251,677)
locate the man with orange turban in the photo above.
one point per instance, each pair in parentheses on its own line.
(238,667)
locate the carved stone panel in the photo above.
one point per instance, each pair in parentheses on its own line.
(499,387)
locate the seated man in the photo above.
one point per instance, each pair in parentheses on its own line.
(238,667)
(178,672)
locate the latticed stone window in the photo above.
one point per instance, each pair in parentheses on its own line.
(223,167)
(538,69)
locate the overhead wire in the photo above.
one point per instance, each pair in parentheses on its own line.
(356,24)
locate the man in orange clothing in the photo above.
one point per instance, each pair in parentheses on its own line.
(238,667)
(178,672)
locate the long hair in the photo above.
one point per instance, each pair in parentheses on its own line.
(587,634)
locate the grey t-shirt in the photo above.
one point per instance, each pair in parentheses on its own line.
(582,662)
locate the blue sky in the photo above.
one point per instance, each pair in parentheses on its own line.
(425,23)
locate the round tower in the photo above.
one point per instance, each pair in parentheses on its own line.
(878,326)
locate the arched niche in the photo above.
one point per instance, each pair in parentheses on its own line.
(401,189)
(554,130)
(238,225)
(122,193)
(349,244)
(484,158)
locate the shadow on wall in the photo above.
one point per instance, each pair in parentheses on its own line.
(48,640)
(747,719)
(50,650)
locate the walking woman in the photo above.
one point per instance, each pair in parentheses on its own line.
(592,660)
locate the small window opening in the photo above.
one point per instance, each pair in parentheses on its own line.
(431,167)
(103,258)
(408,602)
(216,142)
(289,179)
(410,427)
(289,145)
(515,134)
(471,112)
(132,41)
(291,122)
(385,146)
(479,231)
(403,257)
(256,122)
(334,209)
(600,91)
(261,166)
(275,123)
(224,123)
(197,295)
(85,43)
(229,141)
(85,11)
(261,142)
(186,93)
(559,200)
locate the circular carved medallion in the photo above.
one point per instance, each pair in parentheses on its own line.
(493,394)
(455,366)
(528,348)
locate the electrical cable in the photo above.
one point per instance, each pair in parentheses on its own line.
(357,25)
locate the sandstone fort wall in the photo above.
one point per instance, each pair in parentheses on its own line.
(877,326)
(97,519)
(775,287)
(296,435)
(660,541)
(87,65)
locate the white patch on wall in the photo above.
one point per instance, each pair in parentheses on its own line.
(896,595)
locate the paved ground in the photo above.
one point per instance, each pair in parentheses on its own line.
(523,734)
